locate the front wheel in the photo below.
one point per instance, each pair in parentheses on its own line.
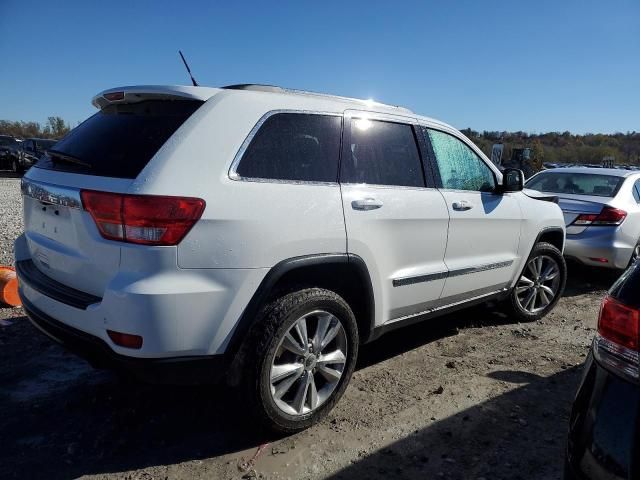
(303,352)
(540,284)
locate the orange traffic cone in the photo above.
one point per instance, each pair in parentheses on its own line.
(9,287)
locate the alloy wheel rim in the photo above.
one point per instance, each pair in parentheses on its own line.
(14,166)
(635,255)
(538,286)
(308,363)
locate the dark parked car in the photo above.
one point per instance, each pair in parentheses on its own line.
(29,152)
(8,146)
(604,429)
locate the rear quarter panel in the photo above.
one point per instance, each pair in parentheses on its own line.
(246,224)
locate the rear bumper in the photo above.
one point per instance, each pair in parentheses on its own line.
(177,312)
(177,370)
(604,428)
(601,243)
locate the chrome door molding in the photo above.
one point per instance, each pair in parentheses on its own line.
(399,282)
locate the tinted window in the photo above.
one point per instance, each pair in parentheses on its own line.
(382,153)
(576,183)
(119,140)
(459,166)
(636,191)
(294,146)
(8,141)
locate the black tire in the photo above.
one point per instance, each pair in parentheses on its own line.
(634,255)
(264,342)
(15,167)
(513,306)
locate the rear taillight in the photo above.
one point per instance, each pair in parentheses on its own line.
(617,344)
(608,216)
(143,219)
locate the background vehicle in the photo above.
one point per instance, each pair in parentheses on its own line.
(604,428)
(28,152)
(8,145)
(601,209)
(261,234)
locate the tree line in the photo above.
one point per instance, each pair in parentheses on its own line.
(564,147)
(55,128)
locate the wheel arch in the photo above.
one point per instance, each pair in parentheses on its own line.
(553,235)
(345,274)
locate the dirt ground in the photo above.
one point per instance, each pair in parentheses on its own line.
(473,395)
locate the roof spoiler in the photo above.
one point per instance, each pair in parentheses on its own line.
(134,94)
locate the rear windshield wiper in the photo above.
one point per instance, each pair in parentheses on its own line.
(68,158)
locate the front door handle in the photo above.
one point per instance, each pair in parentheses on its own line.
(366,204)
(462,206)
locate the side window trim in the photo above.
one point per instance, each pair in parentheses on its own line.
(430,157)
(435,160)
(427,180)
(235,176)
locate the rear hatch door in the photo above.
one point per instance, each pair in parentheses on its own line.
(106,153)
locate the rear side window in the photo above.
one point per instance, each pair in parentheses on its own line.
(459,166)
(382,153)
(295,147)
(636,191)
(119,140)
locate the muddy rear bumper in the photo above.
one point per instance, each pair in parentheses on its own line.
(174,370)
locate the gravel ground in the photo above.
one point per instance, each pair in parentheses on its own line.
(469,396)
(10,217)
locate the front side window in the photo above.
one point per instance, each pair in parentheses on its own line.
(296,147)
(459,166)
(382,153)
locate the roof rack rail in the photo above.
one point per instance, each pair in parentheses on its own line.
(255,87)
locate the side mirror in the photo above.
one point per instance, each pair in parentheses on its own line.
(512,180)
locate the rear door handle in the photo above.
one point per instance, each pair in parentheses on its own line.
(366,204)
(462,206)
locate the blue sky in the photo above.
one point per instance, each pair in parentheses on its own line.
(490,65)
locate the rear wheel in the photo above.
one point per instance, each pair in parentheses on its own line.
(540,285)
(303,352)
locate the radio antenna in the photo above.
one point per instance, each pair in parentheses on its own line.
(186,65)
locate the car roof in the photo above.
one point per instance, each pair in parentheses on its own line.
(335,102)
(614,172)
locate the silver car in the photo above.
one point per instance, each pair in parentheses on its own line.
(601,209)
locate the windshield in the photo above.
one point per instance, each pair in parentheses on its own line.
(8,141)
(45,144)
(576,183)
(119,140)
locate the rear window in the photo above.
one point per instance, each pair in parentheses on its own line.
(294,147)
(119,140)
(577,183)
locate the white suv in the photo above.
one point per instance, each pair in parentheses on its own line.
(259,235)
